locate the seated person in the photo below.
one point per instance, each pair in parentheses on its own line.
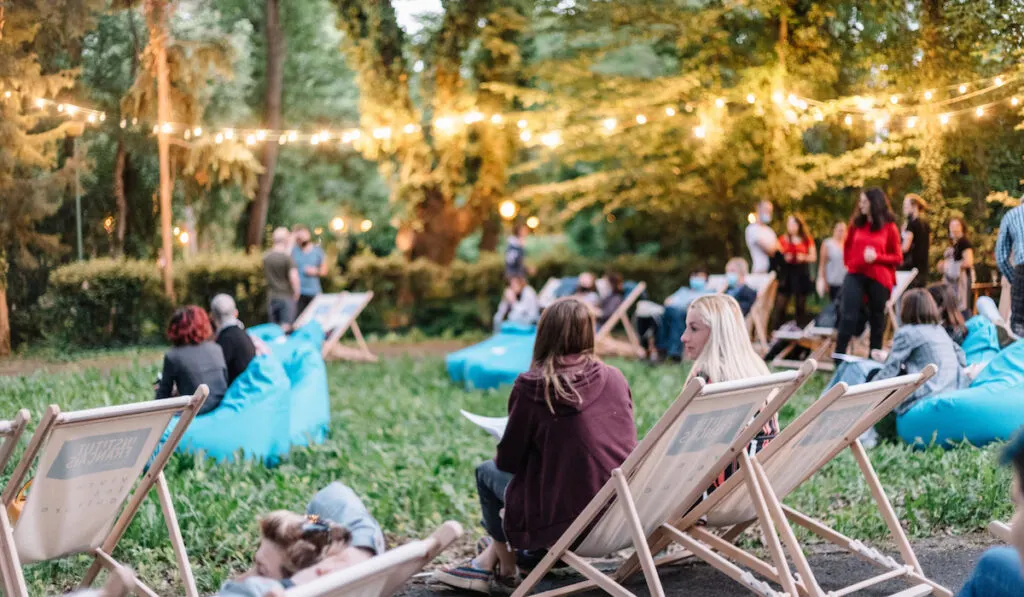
(663,326)
(518,303)
(336,532)
(238,347)
(615,298)
(999,572)
(570,424)
(717,342)
(920,341)
(193,359)
(736,271)
(951,319)
(586,290)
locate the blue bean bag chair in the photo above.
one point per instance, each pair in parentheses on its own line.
(982,342)
(281,400)
(496,361)
(991,409)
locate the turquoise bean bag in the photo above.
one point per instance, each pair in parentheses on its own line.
(496,361)
(982,342)
(281,400)
(991,409)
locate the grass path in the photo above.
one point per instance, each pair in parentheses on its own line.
(397,438)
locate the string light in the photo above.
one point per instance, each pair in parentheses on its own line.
(552,139)
(1014,101)
(409,129)
(521,124)
(229,134)
(218,138)
(176,231)
(928,95)
(508,209)
(292,136)
(197,132)
(980,111)
(7,94)
(700,132)
(365,225)
(963,88)
(532,222)
(383,132)
(670,112)
(848,121)
(944,119)
(525,136)
(497,119)
(282,139)
(777,97)
(261,135)
(40,103)
(184,238)
(641,119)
(998,81)
(314,140)
(720,103)
(894,99)
(445,124)
(91,118)
(108,224)
(610,124)
(166,128)
(60,107)
(251,140)
(473,117)
(911,122)
(751,98)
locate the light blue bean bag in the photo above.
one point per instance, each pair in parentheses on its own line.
(496,361)
(991,409)
(982,342)
(281,400)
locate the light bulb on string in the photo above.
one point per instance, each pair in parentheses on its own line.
(103,116)
(610,124)
(124,123)
(497,119)
(445,125)
(641,119)
(552,139)
(40,103)
(7,94)
(187,134)
(228,134)
(314,140)
(197,132)
(998,81)
(261,135)
(338,224)
(670,111)
(944,119)
(818,116)
(292,136)
(218,138)
(176,231)
(166,128)
(979,111)
(60,107)
(1014,101)
(250,140)
(91,118)
(282,139)
(525,136)
(792,99)
(522,123)
(184,238)
(700,131)
(508,209)
(719,103)
(382,133)
(366,225)
(911,122)
(963,89)
(751,98)
(473,117)
(848,121)
(409,129)
(928,95)
(894,99)
(778,98)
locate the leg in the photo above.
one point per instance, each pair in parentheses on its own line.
(779,311)
(878,296)
(997,574)
(801,309)
(490,485)
(851,295)
(673,323)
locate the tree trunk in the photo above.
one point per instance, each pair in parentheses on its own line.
(443,227)
(933,146)
(120,161)
(272,121)
(5,324)
(491,235)
(157,17)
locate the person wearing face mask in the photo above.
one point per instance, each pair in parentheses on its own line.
(762,242)
(957,265)
(312,264)
(736,276)
(916,239)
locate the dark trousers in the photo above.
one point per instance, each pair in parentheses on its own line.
(782,304)
(304,301)
(490,486)
(857,288)
(1017,301)
(833,293)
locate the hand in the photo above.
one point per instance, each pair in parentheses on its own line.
(790,257)
(312,271)
(870,255)
(510,296)
(819,285)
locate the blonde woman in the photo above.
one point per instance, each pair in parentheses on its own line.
(717,342)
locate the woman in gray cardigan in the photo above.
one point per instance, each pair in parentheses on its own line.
(194,359)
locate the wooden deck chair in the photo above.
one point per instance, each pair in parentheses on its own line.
(336,313)
(606,344)
(761,311)
(383,575)
(755,493)
(549,292)
(892,307)
(81,500)
(693,442)
(820,341)
(1004,299)
(1000,530)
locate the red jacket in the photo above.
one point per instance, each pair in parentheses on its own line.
(886,242)
(560,461)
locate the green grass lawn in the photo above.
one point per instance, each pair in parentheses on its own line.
(397,438)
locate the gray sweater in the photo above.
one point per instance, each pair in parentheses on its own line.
(189,366)
(914,347)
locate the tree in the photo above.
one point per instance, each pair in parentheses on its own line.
(31,188)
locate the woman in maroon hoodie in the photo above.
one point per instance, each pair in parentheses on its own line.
(872,252)
(570,423)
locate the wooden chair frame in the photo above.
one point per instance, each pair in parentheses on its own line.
(382,575)
(617,495)
(631,347)
(1000,530)
(761,311)
(332,349)
(153,479)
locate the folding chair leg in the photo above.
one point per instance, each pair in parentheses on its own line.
(721,564)
(767,527)
(104,560)
(639,537)
(10,566)
(361,343)
(634,338)
(184,567)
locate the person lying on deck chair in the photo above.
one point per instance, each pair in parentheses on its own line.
(999,572)
(335,533)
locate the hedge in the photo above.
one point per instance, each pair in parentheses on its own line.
(106,302)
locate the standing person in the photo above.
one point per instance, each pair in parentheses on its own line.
(238,348)
(761,239)
(282,280)
(831,268)
(570,424)
(958,265)
(798,252)
(1009,244)
(312,265)
(871,252)
(515,252)
(916,239)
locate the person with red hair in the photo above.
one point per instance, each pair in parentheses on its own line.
(194,359)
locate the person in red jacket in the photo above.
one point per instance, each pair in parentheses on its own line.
(871,253)
(570,424)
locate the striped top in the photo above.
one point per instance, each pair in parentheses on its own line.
(1011,233)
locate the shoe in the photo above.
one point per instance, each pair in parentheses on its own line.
(505,585)
(1005,336)
(466,576)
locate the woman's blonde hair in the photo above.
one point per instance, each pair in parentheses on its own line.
(728,354)
(565,329)
(304,540)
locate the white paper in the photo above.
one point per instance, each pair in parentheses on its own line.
(493,425)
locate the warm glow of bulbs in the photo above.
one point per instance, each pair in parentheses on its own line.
(228,134)
(521,124)
(751,98)
(176,231)
(928,95)
(552,139)
(124,123)
(40,103)
(7,94)
(508,209)
(445,124)
(382,132)
(944,119)
(998,81)
(911,122)
(250,140)
(103,116)
(409,129)
(778,98)
(473,117)
(979,112)
(848,121)
(894,99)
(338,224)
(108,224)
(532,222)
(963,89)
(166,128)
(1014,101)
(700,131)
(184,238)
(60,107)
(314,140)
(497,119)
(719,102)
(218,138)
(365,225)
(261,135)
(292,136)
(670,111)
(282,139)
(610,124)
(91,118)
(641,119)
(197,132)
(751,218)
(525,136)
(819,116)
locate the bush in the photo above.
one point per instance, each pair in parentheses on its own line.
(106,302)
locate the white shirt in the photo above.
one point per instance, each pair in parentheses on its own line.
(758,234)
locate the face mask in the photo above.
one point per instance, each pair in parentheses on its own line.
(766,218)
(697,283)
(732,277)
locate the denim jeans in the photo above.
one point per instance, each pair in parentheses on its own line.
(997,574)
(673,324)
(490,485)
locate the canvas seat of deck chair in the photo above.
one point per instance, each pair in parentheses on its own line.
(606,343)
(87,487)
(699,435)
(382,575)
(336,313)
(755,493)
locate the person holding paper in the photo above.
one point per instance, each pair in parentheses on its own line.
(570,423)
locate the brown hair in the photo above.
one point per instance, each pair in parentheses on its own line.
(566,328)
(801,223)
(946,302)
(304,540)
(917,201)
(918,307)
(616,282)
